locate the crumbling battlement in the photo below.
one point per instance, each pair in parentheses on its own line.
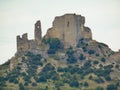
(23,44)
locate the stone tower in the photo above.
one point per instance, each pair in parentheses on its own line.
(38,33)
(69,28)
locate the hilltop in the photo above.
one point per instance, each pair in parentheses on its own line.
(66,58)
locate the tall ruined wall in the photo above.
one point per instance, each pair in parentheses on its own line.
(69,28)
(38,33)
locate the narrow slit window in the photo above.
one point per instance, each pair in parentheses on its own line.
(68,24)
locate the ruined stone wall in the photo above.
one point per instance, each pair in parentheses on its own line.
(69,28)
(38,33)
(22,43)
(87,33)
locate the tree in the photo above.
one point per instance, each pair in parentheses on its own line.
(54,44)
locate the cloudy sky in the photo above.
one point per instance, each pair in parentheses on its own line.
(18,17)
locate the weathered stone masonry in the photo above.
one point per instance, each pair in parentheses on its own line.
(23,44)
(69,28)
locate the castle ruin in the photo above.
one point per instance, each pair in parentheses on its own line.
(23,44)
(69,29)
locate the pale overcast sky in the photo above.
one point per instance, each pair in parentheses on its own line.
(18,17)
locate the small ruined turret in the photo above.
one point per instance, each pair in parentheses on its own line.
(38,33)
(22,43)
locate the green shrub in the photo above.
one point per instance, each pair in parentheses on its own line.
(86,84)
(100,65)
(99,88)
(108,66)
(42,79)
(99,80)
(29,54)
(73,69)
(107,78)
(54,44)
(26,83)
(70,51)
(2,83)
(34,84)
(90,77)
(84,49)
(60,69)
(58,84)
(48,72)
(71,58)
(112,87)
(97,54)
(21,87)
(27,78)
(91,52)
(87,64)
(82,57)
(74,83)
(13,80)
(48,67)
(95,62)
(103,59)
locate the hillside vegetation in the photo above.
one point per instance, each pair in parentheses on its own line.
(80,68)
